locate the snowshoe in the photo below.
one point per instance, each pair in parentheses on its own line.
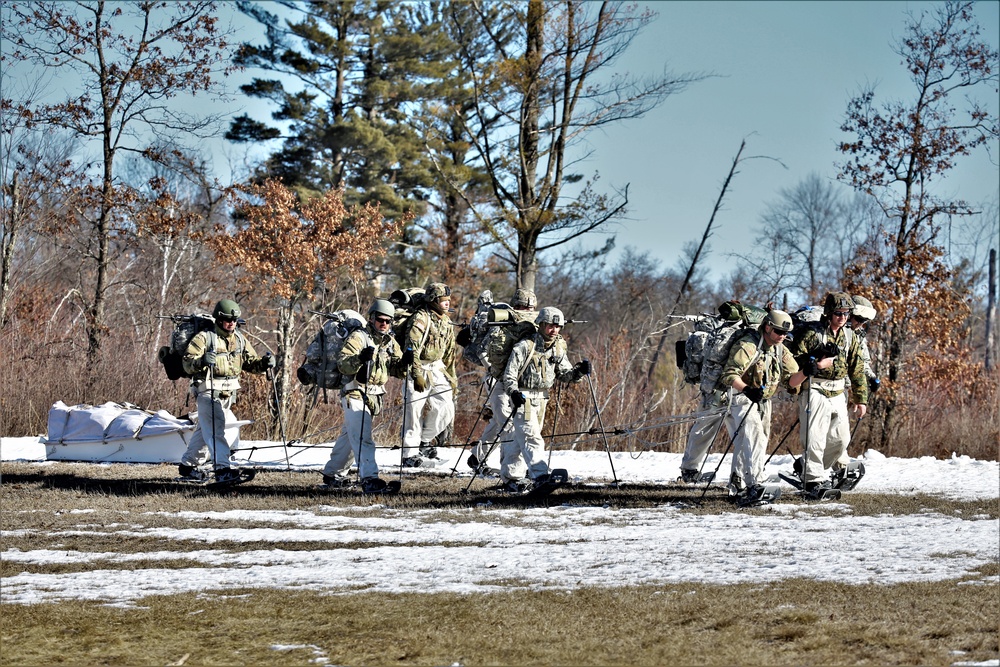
(546,484)
(847,478)
(334,482)
(226,477)
(690,476)
(190,474)
(794,481)
(374,485)
(757,495)
(515,486)
(820,491)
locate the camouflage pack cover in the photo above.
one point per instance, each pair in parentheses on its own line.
(503,338)
(186,327)
(706,349)
(475,351)
(324,350)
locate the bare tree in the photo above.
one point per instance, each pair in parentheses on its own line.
(899,152)
(122,63)
(533,102)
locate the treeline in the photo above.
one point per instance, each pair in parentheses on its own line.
(426,141)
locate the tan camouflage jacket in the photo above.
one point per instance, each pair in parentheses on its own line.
(234,354)
(847,364)
(767,367)
(432,338)
(385,362)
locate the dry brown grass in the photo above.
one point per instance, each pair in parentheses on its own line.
(788,623)
(791,623)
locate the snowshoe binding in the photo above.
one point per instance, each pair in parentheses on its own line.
(226,477)
(336,482)
(758,495)
(191,475)
(847,478)
(691,476)
(546,484)
(820,491)
(374,486)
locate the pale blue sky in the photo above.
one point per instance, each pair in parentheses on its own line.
(787,71)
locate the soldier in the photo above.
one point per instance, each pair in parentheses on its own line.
(534,365)
(370,355)
(214,359)
(500,428)
(861,315)
(828,353)
(758,363)
(430,355)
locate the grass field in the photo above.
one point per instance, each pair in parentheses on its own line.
(83,508)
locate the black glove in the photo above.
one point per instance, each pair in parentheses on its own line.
(270,361)
(583,367)
(829,349)
(366,354)
(807,365)
(517,399)
(873,385)
(755,394)
(407,359)
(303,375)
(208,359)
(464,336)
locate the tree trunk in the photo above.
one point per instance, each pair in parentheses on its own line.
(991,313)
(9,240)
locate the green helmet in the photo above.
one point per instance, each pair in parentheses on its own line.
(381,307)
(779,320)
(524,298)
(227,309)
(435,291)
(550,315)
(837,301)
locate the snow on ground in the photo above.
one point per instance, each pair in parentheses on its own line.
(558,547)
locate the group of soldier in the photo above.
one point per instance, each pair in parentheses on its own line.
(827,365)
(518,392)
(824,364)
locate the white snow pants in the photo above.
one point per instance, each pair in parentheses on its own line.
(499,435)
(750,439)
(828,432)
(440,402)
(703,431)
(209,441)
(354,443)
(528,420)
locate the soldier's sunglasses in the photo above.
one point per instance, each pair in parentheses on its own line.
(841,313)
(382,320)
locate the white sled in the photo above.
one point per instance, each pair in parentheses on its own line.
(121,433)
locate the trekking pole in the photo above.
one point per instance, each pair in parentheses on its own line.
(600,420)
(277,410)
(402,428)
(364,409)
(782,441)
(468,438)
(715,437)
(857,423)
(210,376)
(728,447)
(555,421)
(493,445)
